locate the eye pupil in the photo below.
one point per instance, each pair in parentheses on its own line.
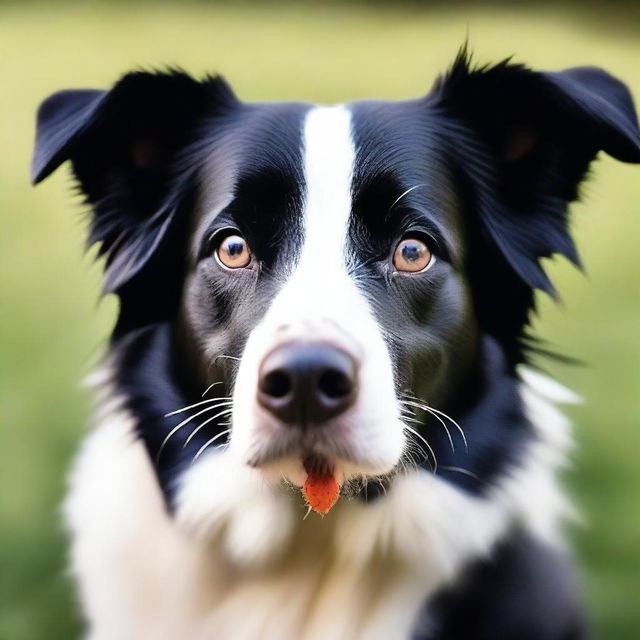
(235,248)
(411,252)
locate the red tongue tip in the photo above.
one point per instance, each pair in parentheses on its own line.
(321,490)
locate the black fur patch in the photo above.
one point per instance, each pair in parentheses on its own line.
(525,591)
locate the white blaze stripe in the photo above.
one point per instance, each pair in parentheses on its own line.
(328,164)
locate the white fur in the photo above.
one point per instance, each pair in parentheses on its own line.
(548,387)
(321,302)
(261,571)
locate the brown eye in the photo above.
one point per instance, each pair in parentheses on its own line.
(411,255)
(233,252)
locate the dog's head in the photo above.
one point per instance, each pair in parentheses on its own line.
(331,275)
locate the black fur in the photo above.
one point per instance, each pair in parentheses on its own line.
(525,591)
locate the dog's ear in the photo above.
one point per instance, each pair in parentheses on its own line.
(125,147)
(527,143)
(524,141)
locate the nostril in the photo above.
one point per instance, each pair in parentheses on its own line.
(335,384)
(276,384)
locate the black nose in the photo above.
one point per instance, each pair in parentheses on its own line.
(306,384)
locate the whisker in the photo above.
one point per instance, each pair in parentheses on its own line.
(209,388)
(206,444)
(197,404)
(438,418)
(207,421)
(415,454)
(414,447)
(226,356)
(443,423)
(402,195)
(461,470)
(416,402)
(181,424)
(415,433)
(455,424)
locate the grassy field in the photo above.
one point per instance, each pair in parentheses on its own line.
(52,327)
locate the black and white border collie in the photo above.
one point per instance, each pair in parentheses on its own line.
(328,298)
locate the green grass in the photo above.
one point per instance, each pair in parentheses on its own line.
(52,327)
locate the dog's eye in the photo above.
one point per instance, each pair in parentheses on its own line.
(412,255)
(233,252)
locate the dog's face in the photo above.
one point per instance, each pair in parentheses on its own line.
(329,275)
(323,284)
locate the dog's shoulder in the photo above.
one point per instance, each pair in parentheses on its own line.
(526,591)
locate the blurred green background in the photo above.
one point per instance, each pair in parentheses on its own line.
(53,328)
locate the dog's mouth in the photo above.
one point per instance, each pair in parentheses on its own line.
(319,476)
(322,468)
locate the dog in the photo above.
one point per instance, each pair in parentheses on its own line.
(316,419)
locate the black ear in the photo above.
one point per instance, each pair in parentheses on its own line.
(125,146)
(62,118)
(527,144)
(524,140)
